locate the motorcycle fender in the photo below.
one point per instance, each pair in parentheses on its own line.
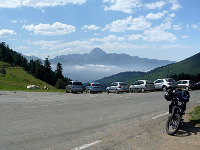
(175,109)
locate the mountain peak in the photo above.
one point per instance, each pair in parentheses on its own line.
(97,52)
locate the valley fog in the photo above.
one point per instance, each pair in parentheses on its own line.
(90,72)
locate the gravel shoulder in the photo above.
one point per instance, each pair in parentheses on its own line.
(188,137)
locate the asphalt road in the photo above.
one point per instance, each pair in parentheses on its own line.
(62,121)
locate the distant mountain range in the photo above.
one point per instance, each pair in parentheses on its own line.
(32,57)
(99,57)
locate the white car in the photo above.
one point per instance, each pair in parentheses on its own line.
(74,87)
(164,84)
(142,85)
(117,87)
(186,84)
(94,87)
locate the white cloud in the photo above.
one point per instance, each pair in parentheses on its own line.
(175,4)
(16,21)
(172,15)
(155,5)
(109,38)
(37,3)
(129,23)
(96,68)
(163,26)
(176,27)
(175,46)
(184,36)
(134,37)
(195,26)
(50,30)
(45,44)
(156,16)
(126,6)
(23,47)
(154,35)
(5,33)
(90,27)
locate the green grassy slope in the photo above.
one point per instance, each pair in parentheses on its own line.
(18,79)
(190,66)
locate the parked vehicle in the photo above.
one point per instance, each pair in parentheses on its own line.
(142,85)
(164,84)
(74,87)
(94,87)
(177,108)
(117,87)
(197,85)
(186,84)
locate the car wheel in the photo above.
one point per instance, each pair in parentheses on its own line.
(90,91)
(142,90)
(117,91)
(187,88)
(131,90)
(70,91)
(164,88)
(108,91)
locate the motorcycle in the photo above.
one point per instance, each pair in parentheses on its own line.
(177,108)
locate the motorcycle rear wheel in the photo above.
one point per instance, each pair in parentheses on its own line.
(173,124)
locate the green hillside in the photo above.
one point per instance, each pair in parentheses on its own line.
(18,79)
(190,66)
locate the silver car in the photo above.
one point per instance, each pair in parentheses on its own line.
(164,84)
(94,87)
(142,85)
(74,87)
(186,84)
(117,87)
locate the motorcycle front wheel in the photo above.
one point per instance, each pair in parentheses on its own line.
(173,124)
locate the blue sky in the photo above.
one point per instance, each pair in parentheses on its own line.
(157,29)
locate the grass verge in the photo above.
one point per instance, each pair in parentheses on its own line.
(195,116)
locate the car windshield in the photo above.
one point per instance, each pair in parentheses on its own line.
(149,82)
(170,80)
(96,84)
(77,83)
(123,84)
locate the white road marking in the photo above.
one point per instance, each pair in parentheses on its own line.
(87,145)
(160,115)
(37,106)
(198,102)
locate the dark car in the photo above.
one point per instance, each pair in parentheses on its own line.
(197,85)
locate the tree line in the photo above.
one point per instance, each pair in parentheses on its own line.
(184,76)
(39,70)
